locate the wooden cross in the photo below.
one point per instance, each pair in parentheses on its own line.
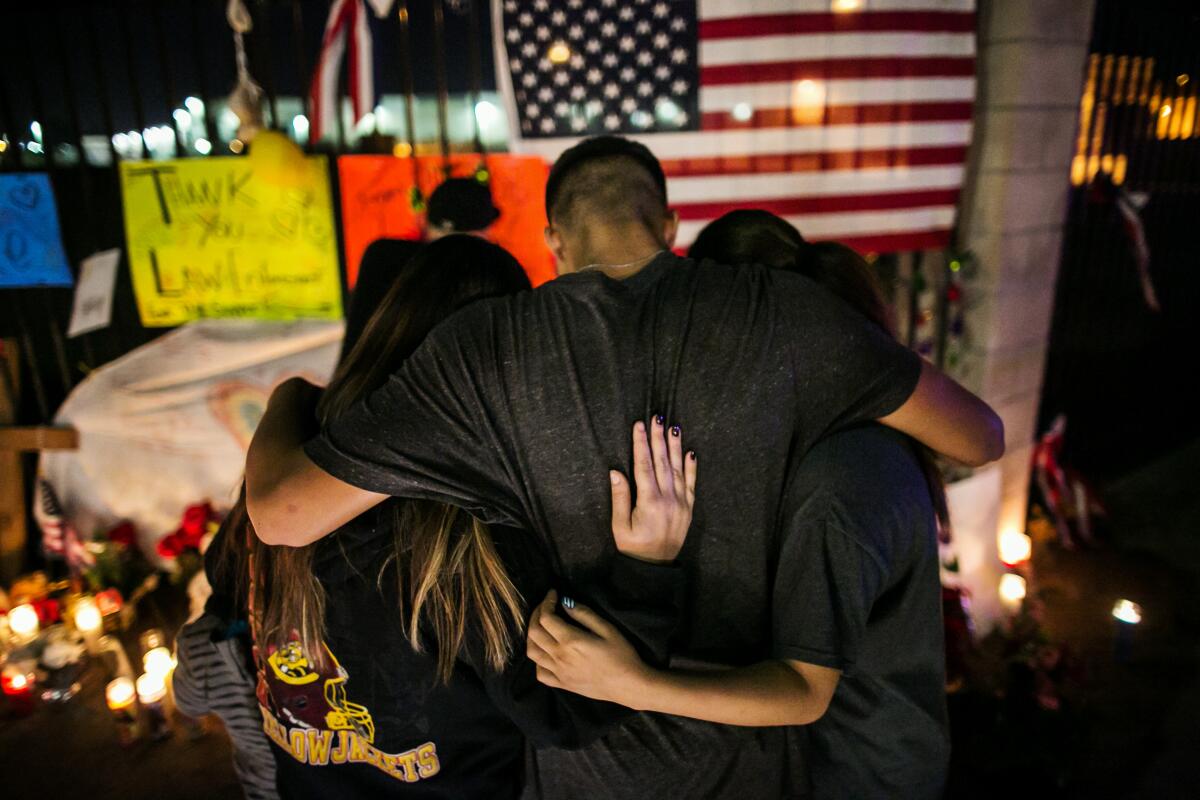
(15,440)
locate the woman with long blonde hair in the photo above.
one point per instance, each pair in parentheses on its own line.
(395,664)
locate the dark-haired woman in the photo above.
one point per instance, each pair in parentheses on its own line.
(393,665)
(857,642)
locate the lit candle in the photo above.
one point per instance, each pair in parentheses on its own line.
(17,685)
(1127,614)
(153,638)
(152,694)
(23,622)
(122,702)
(89,623)
(158,661)
(1014,546)
(1012,592)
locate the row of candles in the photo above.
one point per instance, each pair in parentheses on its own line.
(1016,551)
(123,695)
(151,691)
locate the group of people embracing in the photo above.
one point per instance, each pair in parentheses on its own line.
(663,527)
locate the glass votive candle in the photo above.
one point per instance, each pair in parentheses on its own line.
(121,698)
(89,623)
(152,695)
(17,684)
(158,661)
(150,639)
(23,622)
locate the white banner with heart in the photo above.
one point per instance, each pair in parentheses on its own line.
(167,425)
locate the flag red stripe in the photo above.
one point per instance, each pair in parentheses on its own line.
(898,242)
(874,21)
(351,56)
(320,114)
(823,205)
(838,68)
(840,115)
(884,243)
(814,162)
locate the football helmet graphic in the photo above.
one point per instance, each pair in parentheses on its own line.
(312,696)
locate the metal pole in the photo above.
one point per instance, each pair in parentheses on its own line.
(474,46)
(101,82)
(9,156)
(301,63)
(168,79)
(410,99)
(443,92)
(201,70)
(87,190)
(39,389)
(263,55)
(35,96)
(135,89)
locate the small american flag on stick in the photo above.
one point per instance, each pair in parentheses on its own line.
(59,537)
(850,118)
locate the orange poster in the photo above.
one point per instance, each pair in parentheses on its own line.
(376,194)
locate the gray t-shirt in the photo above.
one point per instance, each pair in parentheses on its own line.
(516,408)
(858,590)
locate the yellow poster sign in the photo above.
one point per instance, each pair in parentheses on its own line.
(208,237)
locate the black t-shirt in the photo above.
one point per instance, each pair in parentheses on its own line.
(858,590)
(376,721)
(516,407)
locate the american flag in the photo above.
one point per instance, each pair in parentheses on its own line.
(850,118)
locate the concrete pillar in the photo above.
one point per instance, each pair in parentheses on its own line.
(1031,58)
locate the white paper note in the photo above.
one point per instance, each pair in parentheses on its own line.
(94,292)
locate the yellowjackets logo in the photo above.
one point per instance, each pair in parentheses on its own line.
(306,712)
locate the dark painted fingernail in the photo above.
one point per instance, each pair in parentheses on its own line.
(568,602)
(692,455)
(658,419)
(676,430)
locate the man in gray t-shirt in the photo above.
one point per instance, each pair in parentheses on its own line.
(517,407)
(857,589)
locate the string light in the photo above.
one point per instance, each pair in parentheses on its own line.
(808,102)
(559,53)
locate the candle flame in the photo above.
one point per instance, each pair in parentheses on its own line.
(1127,611)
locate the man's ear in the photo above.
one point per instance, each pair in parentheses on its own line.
(554,241)
(671,228)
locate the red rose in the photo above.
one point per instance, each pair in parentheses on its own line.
(123,534)
(48,611)
(195,520)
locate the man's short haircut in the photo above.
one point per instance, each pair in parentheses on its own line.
(608,174)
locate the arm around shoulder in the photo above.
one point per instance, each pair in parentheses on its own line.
(291,501)
(949,419)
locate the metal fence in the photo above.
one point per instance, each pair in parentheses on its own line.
(84,85)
